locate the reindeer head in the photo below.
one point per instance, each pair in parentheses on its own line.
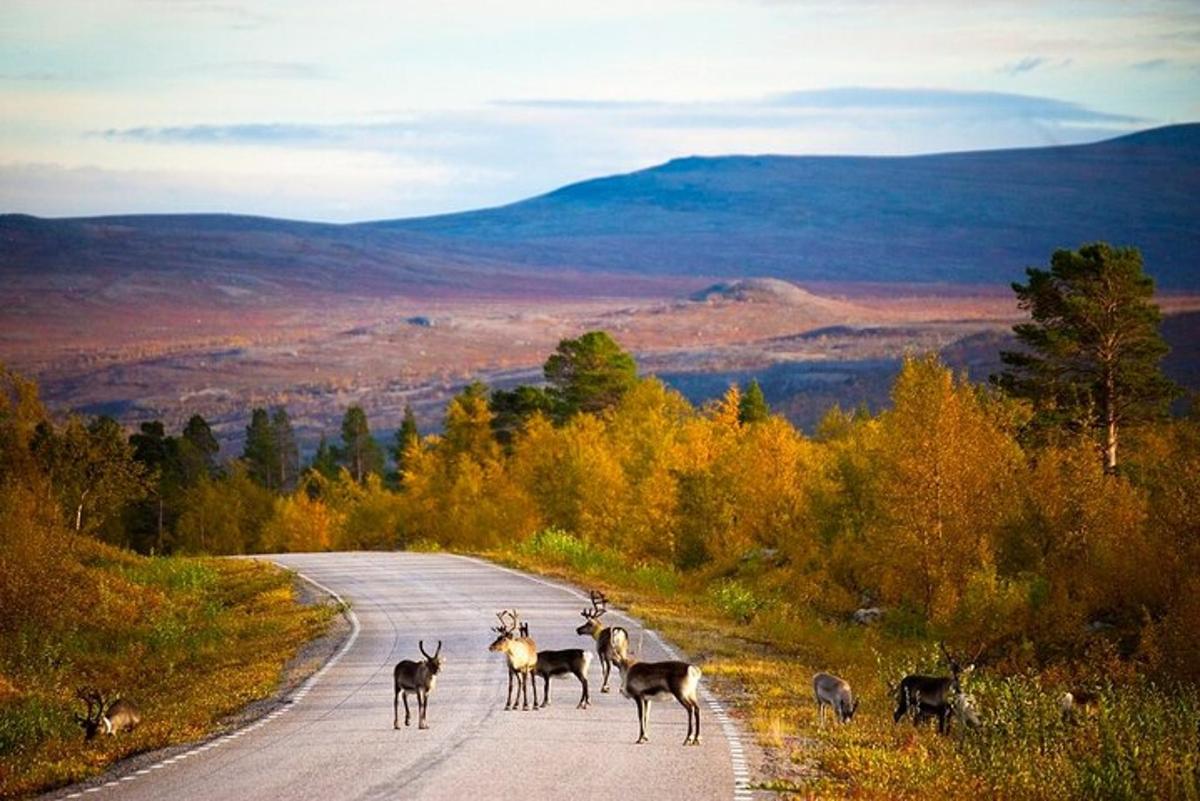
(506,631)
(956,668)
(93,720)
(435,661)
(593,626)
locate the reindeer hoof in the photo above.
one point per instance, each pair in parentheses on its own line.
(642,740)
(604,689)
(423,726)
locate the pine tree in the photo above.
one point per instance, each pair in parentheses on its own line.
(326,460)
(753,407)
(407,436)
(360,453)
(1093,346)
(589,374)
(287,452)
(198,438)
(259,453)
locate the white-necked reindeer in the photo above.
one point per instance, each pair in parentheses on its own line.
(419,677)
(117,716)
(643,681)
(834,692)
(521,654)
(612,642)
(937,697)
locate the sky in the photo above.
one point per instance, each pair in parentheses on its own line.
(348,110)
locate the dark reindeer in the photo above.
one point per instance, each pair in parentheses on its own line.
(643,681)
(571,661)
(612,642)
(521,653)
(936,697)
(415,676)
(120,715)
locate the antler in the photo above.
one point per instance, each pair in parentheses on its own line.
(503,627)
(421,645)
(94,700)
(438,652)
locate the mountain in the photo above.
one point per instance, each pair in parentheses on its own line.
(960,218)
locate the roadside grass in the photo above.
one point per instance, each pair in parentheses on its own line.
(189,640)
(761,651)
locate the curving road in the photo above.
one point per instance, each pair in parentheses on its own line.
(335,740)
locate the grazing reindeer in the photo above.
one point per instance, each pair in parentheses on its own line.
(120,715)
(574,661)
(831,691)
(418,677)
(522,656)
(612,642)
(1077,704)
(642,681)
(926,697)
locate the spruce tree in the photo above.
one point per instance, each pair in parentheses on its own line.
(753,408)
(407,436)
(360,452)
(589,374)
(259,453)
(287,452)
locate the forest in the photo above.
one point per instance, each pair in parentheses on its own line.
(1047,522)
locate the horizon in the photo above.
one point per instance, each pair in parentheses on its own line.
(360,112)
(552,190)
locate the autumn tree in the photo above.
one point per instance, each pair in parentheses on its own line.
(92,469)
(407,436)
(1092,347)
(360,453)
(198,449)
(511,410)
(326,459)
(589,374)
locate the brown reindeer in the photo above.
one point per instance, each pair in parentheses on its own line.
(119,715)
(521,653)
(642,681)
(612,642)
(418,677)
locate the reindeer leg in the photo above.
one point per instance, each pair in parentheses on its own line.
(523,693)
(407,714)
(423,700)
(643,707)
(508,698)
(583,699)
(533,680)
(696,710)
(546,691)
(606,666)
(396,710)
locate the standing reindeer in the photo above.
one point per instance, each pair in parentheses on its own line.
(574,661)
(418,677)
(642,681)
(612,642)
(936,697)
(120,715)
(522,656)
(834,692)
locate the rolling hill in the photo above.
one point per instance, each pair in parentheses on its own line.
(958,218)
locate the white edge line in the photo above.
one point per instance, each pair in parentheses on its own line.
(288,705)
(737,755)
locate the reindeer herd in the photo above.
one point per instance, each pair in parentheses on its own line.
(640,681)
(920,697)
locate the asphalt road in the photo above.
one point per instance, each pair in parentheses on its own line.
(336,741)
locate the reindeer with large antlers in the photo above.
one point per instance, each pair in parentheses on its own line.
(937,697)
(120,715)
(522,656)
(418,677)
(612,642)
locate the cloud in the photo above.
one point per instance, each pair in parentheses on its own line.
(1027,64)
(1152,64)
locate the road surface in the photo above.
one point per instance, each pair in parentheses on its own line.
(336,741)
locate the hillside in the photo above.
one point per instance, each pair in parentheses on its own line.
(958,218)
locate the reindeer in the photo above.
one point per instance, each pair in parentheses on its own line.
(1077,704)
(522,656)
(831,691)
(642,681)
(574,661)
(612,642)
(418,677)
(925,697)
(120,715)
